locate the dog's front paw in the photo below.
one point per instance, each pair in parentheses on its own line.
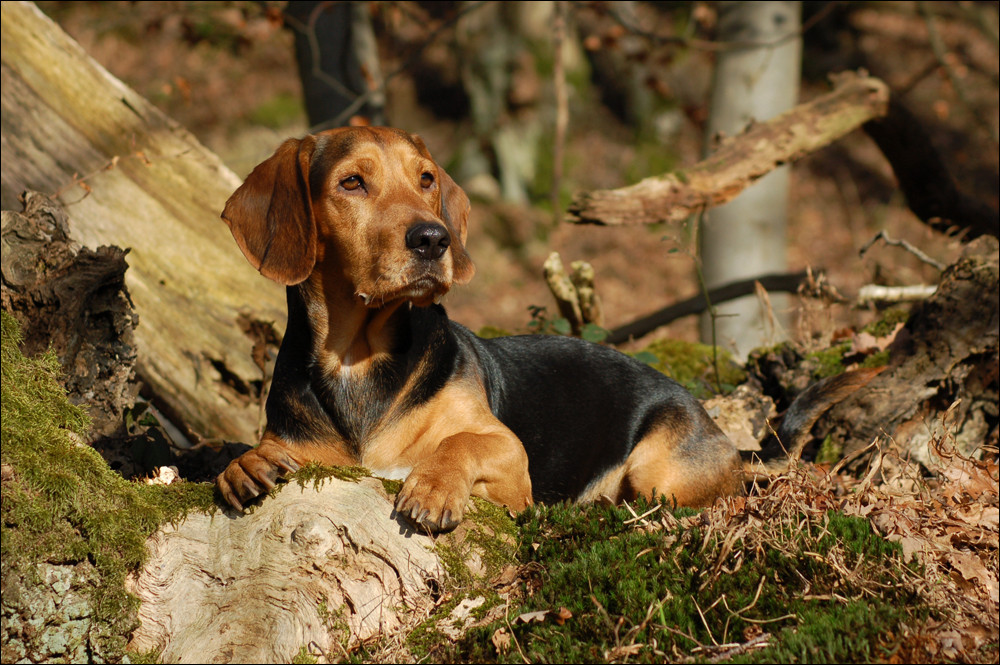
(433,499)
(253,473)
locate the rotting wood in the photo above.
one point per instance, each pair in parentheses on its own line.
(131,177)
(946,356)
(72,300)
(563,291)
(739,160)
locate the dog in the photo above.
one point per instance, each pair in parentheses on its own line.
(368,232)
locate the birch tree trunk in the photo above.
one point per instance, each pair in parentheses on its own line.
(756,79)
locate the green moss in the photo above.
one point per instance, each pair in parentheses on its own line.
(492,332)
(316,474)
(877,359)
(144,657)
(887,322)
(391,487)
(828,362)
(63,504)
(679,588)
(426,637)
(493,540)
(303,657)
(495,537)
(830,451)
(692,366)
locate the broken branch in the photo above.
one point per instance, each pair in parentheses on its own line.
(740,160)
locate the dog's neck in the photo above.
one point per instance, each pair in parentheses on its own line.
(347,334)
(355,361)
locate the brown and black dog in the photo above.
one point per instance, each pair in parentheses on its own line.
(368,232)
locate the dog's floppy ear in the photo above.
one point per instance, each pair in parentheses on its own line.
(270,214)
(455,213)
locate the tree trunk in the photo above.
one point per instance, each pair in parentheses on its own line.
(338,62)
(131,177)
(747,236)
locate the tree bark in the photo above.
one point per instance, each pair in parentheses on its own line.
(315,567)
(942,382)
(72,300)
(747,236)
(131,177)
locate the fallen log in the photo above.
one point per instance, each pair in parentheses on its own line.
(130,177)
(942,380)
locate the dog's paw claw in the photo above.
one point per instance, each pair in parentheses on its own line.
(253,473)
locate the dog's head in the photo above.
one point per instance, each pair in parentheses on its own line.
(366,205)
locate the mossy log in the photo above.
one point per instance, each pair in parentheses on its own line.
(72,300)
(132,178)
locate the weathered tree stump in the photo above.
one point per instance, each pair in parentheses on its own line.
(73,300)
(315,568)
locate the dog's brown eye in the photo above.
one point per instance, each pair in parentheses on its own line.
(426,180)
(352,183)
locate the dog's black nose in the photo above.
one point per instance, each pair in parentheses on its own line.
(428,241)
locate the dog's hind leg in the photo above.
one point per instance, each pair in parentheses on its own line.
(690,463)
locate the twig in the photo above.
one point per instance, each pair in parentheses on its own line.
(704,622)
(759,642)
(739,161)
(506,620)
(882,235)
(713,313)
(847,459)
(787,282)
(639,518)
(563,291)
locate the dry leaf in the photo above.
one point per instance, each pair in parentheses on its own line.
(529,617)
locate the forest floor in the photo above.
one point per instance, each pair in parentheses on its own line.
(230,77)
